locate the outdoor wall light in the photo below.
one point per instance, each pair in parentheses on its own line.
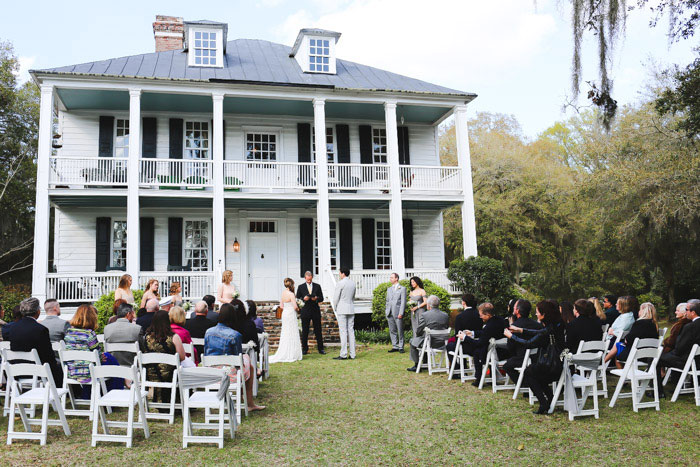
(236,245)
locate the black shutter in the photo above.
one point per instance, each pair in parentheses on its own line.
(106,137)
(175,241)
(148,144)
(176,136)
(103,232)
(366,144)
(342,137)
(304,142)
(223,129)
(345,243)
(404,157)
(147,233)
(306,244)
(408,243)
(368,256)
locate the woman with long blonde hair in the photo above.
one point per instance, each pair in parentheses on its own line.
(226,291)
(151,292)
(599,312)
(123,291)
(644,328)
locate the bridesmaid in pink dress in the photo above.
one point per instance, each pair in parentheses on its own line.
(226,291)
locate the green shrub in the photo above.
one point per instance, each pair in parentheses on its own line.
(485,278)
(11,295)
(105,305)
(379,336)
(658,302)
(379,301)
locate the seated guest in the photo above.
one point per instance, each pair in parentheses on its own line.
(467,320)
(634,306)
(212,315)
(123,330)
(623,322)
(516,351)
(198,324)
(253,316)
(81,336)
(537,376)
(567,312)
(689,336)
(645,327)
(145,320)
(243,325)
(599,312)
(670,341)
(57,327)
(585,326)
(115,307)
(610,306)
(432,318)
(159,337)
(177,321)
(222,339)
(26,334)
(476,343)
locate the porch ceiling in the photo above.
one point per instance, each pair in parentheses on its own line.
(437,204)
(175,202)
(99,99)
(266,203)
(89,201)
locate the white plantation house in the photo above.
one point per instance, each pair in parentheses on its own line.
(201,157)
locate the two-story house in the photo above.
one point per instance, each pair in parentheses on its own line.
(202,156)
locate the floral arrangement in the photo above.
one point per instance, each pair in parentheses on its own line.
(300,303)
(187,306)
(412,303)
(236,294)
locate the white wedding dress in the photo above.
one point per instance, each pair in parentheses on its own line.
(289,349)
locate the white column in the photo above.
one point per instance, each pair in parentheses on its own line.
(395,215)
(322,215)
(218,227)
(41,216)
(133,236)
(464,159)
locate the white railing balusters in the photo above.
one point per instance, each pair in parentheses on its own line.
(421,178)
(352,177)
(76,287)
(195,284)
(171,173)
(366,280)
(87,171)
(269,175)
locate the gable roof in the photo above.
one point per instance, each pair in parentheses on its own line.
(254,61)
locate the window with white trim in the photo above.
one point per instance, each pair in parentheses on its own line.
(379,145)
(319,55)
(261,146)
(196,244)
(119,243)
(196,140)
(205,48)
(383,247)
(330,146)
(334,246)
(121,138)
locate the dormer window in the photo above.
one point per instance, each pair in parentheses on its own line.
(205,42)
(319,55)
(205,48)
(314,50)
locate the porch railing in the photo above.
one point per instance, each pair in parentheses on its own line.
(195,284)
(76,287)
(358,177)
(268,175)
(431,178)
(438,276)
(87,171)
(171,174)
(366,280)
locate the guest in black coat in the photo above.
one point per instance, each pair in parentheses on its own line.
(516,351)
(467,320)
(644,328)
(611,312)
(689,336)
(476,343)
(243,325)
(212,315)
(199,323)
(585,327)
(537,376)
(27,334)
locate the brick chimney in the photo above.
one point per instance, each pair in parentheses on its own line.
(169,32)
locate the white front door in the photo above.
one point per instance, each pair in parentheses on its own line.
(264,281)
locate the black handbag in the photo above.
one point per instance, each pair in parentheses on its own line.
(549,359)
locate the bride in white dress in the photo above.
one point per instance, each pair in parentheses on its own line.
(289,349)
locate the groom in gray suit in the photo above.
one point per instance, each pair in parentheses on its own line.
(344,306)
(395,307)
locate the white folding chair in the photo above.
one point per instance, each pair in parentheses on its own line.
(264,355)
(596,346)
(209,399)
(639,379)
(529,353)
(238,390)
(251,350)
(605,328)
(3,392)
(434,364)
(493,364)
(46,396)
(101,338)
(585,380)
(154,359)
(130,398)
(57,346)
(23,382)
(189,350)
(197,341)
(690,369)
(662,333)
(465,374)
(87,357)
(130,347)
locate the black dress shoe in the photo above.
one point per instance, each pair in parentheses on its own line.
(402,351)
(305,352)
(393,350)
(340,358)
(322,352)
(475,383)
(413,369)
(543,410)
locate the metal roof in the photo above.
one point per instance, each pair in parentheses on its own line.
(253,61)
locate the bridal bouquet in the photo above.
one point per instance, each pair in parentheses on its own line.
(186,306)
(236,294)
(300,303)
(412,303)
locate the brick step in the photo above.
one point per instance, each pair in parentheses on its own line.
(273,326)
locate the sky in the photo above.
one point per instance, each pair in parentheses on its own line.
(515,54)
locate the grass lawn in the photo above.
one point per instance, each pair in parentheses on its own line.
(372,411)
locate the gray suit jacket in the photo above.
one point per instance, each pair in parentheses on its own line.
(395,301)
(57,327)
(434,319)
(122,331)
(344,297)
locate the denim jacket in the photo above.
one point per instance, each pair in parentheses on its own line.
(222,340)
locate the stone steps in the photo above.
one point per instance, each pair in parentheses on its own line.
(273,326)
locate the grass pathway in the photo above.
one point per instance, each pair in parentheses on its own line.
(372,411)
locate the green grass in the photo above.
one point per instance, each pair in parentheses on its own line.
(372,411)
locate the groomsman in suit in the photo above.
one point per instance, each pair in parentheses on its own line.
(310,292)
(344,305)
(476,343)
(395,308)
